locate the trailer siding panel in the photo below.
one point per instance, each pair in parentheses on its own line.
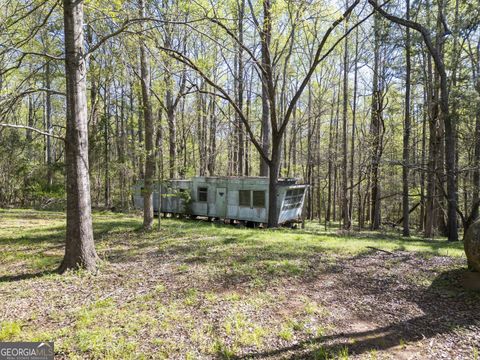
(223,200)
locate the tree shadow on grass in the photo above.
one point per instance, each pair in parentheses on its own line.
(447,307)
(52,239)
(56,234)
(237,257)
(27,276)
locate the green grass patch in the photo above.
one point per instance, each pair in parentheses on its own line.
(9,330)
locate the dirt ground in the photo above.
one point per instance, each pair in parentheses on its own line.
(208,298)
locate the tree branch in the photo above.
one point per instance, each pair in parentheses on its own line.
(415,26)
(188,62)
(32,129)
(316,61)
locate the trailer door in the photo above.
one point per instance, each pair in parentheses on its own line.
(221,202)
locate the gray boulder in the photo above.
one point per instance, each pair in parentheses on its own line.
(471,242)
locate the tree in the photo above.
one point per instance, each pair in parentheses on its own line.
(406,132)
(149,133)
(80,248)
(373,153)
(265,36)
(446,116)
(278,123)
(345,208)
(376,128)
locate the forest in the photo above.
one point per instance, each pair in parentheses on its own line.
(375,105)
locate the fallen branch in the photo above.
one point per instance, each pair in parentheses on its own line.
(377,249)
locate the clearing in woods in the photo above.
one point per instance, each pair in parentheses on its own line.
(205,290)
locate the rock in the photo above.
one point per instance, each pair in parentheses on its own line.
(471,280)
(471,243)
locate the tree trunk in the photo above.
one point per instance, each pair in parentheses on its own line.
(106,149)
(274,170)
(335,156)
(212,143)
(476,157)
(266,130)
(432,151)
(345,209)
(330,162)
(93,120)
(159,166)
(375,131)
(80,248)
(422,162)
(149,134)
(172,130)
(48,124)
(450,137)
(354,129)
(122,151)
(30,122)
(309,170)
(406,133)
(240,71)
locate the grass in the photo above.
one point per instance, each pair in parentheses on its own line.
(9,330)
(194,289)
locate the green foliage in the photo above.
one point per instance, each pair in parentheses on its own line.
(186,197)
(9,330)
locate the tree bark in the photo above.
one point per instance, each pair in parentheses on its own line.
(80,248)
(345,209)
(274,170)
(48,125)
(106,148)
(240,71)
(354,129)
(375,131)
(476,163)
(422,162)
(212,143)
(266,129)
(149,134)
(330,162)
(406,133)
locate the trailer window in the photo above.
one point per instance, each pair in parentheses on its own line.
(293,199)
(244,198)
(259,199)
(202,194)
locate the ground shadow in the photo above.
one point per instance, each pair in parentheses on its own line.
(446,306)
(53,238)
(26,276)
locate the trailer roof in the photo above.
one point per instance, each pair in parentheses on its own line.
(280,180)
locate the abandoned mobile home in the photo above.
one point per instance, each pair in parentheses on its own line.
(244,199)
